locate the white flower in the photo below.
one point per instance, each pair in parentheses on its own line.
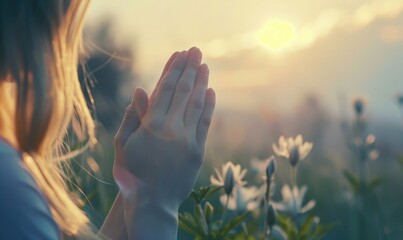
(261,166)
(237,171)
(292,203)
(292,149)
(243,198)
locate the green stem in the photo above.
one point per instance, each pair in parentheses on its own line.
(294,177)
(245,229)
(224,215)
(266,205)
(294,184)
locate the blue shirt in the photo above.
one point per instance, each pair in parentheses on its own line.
(24,211)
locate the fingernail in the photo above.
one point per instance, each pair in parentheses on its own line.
(185,52)
(195,52)
(182,55)
(210,92)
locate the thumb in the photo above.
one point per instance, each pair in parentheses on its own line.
(140,100)
(132,118)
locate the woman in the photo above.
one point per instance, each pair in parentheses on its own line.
(159,146)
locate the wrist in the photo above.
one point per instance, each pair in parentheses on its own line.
(113,226)
(152,220)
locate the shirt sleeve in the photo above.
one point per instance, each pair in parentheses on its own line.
(24,212)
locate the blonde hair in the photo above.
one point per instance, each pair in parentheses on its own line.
(39,45)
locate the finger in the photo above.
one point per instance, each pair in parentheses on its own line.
(140,100)
(130,123)
(163,96)
(196,102)
(167,65)
(185,84)
(206,117)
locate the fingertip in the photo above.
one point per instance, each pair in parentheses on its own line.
(183,54)
(195,52)
(173,57)
(141,101)
(210,93)
(204,69)
(140,92)
(210,98)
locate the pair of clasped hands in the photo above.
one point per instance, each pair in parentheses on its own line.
(160,146)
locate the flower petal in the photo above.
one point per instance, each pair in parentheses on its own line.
(286,193)
(214,181)
(298,140)
(311,204)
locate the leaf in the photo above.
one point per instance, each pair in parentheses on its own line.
(352,179)
(232,224)
(306,227)
(195,197)
(375,182)
(322,230)
(188,225)
(288,226)
(213,190)
(190,218)
(204,191)
(200,219)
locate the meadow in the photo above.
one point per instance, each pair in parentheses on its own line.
(293,159)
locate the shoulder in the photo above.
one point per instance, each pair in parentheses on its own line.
(24,211)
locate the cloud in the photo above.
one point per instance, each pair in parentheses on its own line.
(309,33)
(367,13)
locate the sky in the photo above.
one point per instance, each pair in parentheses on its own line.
(272,53)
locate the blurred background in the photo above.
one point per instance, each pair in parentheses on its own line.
(279,68)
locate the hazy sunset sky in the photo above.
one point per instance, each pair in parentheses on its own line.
(271,53)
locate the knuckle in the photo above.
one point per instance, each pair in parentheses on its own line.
(168,86)
(177,68)
(130,109)
(197,104)
(172,130)
(169,132)
(193,63)
(185,87)
(154,123)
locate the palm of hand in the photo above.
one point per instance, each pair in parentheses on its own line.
(154,159)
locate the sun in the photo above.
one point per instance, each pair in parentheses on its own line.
(277,34)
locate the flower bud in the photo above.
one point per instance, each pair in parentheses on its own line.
(271,217)
(294,156)
(208,212)
(229,181)
(271,168)
(358,106)
(315,224)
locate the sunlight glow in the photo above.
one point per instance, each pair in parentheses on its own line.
(277,34)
